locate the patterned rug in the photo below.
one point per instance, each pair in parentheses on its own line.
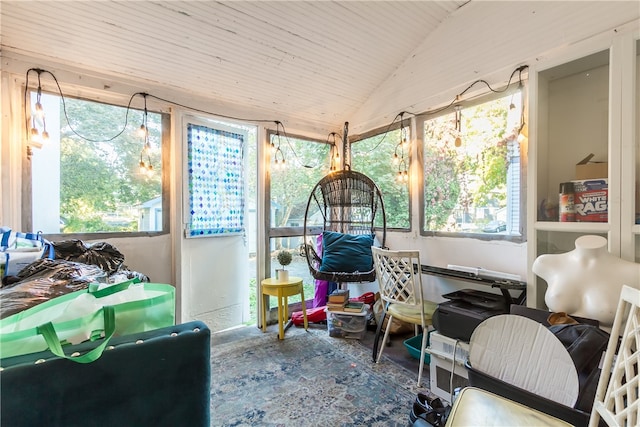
(307,379)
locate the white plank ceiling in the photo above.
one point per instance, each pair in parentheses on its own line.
(304,60)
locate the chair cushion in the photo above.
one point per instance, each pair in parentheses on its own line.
(411,314)
(346,252)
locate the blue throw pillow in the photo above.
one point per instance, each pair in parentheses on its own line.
(346,253)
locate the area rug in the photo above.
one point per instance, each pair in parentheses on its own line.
(307,379)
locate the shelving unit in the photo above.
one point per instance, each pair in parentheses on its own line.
(585,101)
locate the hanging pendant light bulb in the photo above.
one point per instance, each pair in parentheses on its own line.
(35,134)
(402,144)
(38,107)
(334,156)
(45,134)
(278,155)
(404,139)
(35,120)
(142,165)
(403,174)
(523,131)
(334,153)
(142,131)
(146,168)
(458,141)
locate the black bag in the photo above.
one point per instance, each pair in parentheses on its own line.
(585,344)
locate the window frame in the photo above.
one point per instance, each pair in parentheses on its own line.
(421,120)
(27,211)
(381,131)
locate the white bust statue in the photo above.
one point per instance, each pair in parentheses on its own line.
(586,281)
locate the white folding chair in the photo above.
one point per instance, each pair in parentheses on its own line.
(616,401)
(400,282)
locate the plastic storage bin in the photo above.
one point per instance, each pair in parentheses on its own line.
(413,345)
(343,324)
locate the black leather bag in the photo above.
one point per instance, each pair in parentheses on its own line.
(585,344)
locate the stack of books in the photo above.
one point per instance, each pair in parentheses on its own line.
(339,301)
(354,307)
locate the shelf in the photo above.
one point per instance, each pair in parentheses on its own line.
(573,227)
(584,101)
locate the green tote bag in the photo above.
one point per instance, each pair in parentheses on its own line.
(120,309)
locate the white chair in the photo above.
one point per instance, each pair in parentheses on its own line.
(400,282)
(616,402)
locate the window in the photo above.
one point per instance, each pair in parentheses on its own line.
(374,156)
(215,180)
(87,178)
(472,169)
(290,183)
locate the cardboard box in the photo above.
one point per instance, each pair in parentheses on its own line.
(591,200)
(585,169)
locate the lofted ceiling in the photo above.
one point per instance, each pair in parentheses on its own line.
(307,61)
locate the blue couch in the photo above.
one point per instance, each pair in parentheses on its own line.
(157,378)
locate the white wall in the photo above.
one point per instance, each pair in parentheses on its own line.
(441,251)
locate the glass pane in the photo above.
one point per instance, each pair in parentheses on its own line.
(472,169)
(375,158)
(573,124)
(555,242)
(292,180)
(297,268)
(93,174)
(305,163)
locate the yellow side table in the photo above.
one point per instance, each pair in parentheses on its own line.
(282,289)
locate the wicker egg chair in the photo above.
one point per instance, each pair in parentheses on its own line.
(346,202)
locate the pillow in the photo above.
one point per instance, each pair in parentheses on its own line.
(346,253)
